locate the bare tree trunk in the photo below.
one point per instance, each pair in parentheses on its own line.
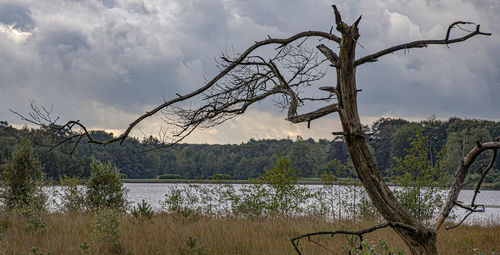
(252,78)
(421,241)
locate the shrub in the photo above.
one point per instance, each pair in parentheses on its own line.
(143,211)
(419,178)
(104,188)
(169,176)
(72,196)
(274,193)
(22,180)
(106,230)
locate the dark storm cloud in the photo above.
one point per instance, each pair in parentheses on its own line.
(17,14)
(94,57)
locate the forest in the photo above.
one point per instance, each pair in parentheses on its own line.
(389,139)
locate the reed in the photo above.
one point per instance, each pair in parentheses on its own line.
(196,234)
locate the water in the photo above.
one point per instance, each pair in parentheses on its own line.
(154,193)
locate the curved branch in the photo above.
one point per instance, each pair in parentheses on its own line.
(308,117)
(295,240)
(420,44)
(458,181)
(253,80)
(473,207)
(281,41)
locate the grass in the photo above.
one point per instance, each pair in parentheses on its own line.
(194,234)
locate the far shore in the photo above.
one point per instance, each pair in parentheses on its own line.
(205,181)
(485,186)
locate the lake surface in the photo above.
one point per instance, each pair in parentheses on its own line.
(154,193)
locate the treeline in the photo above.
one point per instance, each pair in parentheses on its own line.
(241,161)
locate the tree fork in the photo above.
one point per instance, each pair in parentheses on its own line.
(423,241)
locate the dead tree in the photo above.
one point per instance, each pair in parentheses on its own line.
(246,78)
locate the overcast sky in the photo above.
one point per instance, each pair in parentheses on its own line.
(105,62)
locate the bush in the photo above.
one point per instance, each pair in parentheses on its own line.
(419,178)
(104,188)
(143,211)
(169,176)
(72,196)
(275,193)
(106,231)
(22,180)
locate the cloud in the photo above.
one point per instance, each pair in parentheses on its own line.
(107,61)
(17,15)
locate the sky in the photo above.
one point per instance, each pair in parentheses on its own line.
(105,62)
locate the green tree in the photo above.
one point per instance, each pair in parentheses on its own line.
(285,196)
(401,138)
(383,130)
(461,141)
(104,188)
(22,179)
(274,193)
(419,179)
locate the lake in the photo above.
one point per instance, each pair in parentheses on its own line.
(153,193)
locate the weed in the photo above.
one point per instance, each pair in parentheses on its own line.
(143,211)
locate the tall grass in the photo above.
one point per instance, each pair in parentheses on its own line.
(179,234)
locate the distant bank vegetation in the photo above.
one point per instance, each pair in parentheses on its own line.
(247,160)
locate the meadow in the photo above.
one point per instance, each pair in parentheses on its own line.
(168,233)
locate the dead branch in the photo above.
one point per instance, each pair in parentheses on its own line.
(421,44)
(330,55)
(359,234)
(472,208)
(308,117)
(251,81)
(458,181)
(38,115)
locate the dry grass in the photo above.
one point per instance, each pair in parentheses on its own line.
(168,234)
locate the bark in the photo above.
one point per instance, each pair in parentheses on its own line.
(422,241)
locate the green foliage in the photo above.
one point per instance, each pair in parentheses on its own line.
(180,201)
(21,192)
(370,248)
(35,251)
(284,196)
(106,230)
(248,159)
(178,198)
(274,193)
(72,196)
(143,211)
(22,180)
(219,177)
(192,248)
(419,178)
(400,140)
(383,131)
(31,220)
(461,142)
(169,176)
(341,196)
(85,247)
(104,188)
